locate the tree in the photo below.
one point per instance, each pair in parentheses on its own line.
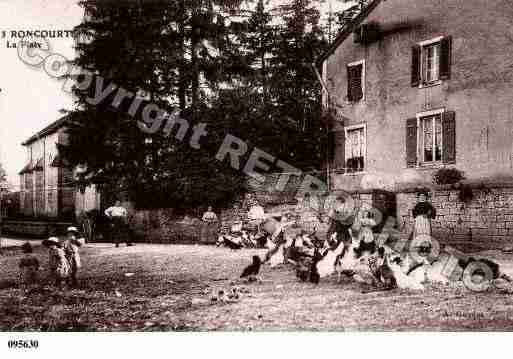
(165,50)
(344,17)
(250,76)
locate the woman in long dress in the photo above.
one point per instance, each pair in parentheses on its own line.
(423,213)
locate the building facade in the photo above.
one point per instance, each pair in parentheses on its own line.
(46,181)
(422,85)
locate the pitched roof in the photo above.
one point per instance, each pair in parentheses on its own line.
(26,169)
(348,30)
(48,130)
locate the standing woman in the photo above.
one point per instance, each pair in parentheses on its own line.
(423,213)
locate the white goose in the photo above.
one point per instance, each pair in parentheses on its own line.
(412,281)
(277,257)
(326,265)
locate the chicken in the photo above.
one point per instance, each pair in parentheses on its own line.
(253,269)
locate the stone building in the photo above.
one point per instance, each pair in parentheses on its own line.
(419,85)
(46,180)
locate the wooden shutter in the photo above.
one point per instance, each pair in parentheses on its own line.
(445,58)
(354,82)
(415,66)
(411,142)
(339,158)
(449,137)
(349,83)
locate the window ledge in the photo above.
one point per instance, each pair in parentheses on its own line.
(355,173)
(431,84)
(430,165)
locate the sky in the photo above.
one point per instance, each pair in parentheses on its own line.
(29,98)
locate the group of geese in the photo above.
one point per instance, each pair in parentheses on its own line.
(384,267)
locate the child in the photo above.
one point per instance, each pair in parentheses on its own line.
(365,234)
(57,262)
(29,265)
(70,245)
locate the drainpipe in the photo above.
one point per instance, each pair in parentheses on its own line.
(44,176)
(325,89)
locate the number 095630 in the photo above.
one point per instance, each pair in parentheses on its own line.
(22,344)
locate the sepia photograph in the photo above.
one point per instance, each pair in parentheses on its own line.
(255,166)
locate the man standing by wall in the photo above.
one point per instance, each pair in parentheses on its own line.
(117,215)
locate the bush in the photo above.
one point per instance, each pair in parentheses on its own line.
(466,194)
(448,176)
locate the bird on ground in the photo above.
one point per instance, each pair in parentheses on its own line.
(404,281)
(326,265)
(384,273)
(253,269)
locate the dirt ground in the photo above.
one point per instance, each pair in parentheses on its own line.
(167,287)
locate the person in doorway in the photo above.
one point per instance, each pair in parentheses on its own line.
(117,215)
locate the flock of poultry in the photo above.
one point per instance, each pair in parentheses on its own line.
(382,267)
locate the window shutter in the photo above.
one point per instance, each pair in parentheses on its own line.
(350,80)
(445,58)
(449,137)
(340,150)
(411,142)
(415,66)
(354,83)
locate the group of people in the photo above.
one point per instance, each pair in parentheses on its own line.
(63,260)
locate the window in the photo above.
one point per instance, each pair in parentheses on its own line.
(431,138)
(431,61)
(430,141)
(355,148)
(356,81)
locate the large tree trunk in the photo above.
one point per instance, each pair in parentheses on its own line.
(195,68)
(182,85)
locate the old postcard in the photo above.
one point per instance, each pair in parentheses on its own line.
(259,165)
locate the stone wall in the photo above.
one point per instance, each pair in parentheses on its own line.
(164,226)
(485,222)
(34,229)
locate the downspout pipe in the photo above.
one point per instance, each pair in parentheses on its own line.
(325,89)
